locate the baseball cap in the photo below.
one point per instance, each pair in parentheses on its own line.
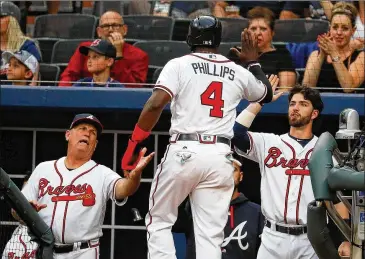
(23,56)
(89,119)
(9,9)
(102,47)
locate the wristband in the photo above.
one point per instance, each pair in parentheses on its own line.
(245,118)
(139,134)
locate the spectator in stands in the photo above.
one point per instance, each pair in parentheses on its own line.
(358,37)
(23,68)
(336,63)
(131,65)
(101,56)
(11,36)
(239,9)
(302,9)
(273,61)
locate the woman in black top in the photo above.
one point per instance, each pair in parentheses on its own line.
(273,61)
(336,64)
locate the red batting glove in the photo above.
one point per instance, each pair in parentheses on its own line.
(132,156)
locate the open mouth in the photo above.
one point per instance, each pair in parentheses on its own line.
(84,141)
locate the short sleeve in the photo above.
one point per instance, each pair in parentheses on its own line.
(31,188)
(169,78)
(110,180)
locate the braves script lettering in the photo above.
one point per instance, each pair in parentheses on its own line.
(273,159)
(26,255)
(44,188)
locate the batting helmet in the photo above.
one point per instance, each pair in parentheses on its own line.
(204,31)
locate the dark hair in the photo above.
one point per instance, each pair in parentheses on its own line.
(28,173)
(260,12)
(309,94)
(347,9)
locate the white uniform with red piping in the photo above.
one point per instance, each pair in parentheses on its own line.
(286,191)
(19,245)
(205,89)
(76,202)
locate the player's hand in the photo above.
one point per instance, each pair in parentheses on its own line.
(142,163)
(344,249)
(274,81)
(117,39)
(37,206)
(249,49)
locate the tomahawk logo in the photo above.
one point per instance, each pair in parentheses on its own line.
(238,237)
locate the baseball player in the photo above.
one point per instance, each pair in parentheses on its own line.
(204,89)
(71,193)
(20,244)
(286,187)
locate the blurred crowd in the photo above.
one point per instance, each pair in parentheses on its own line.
(333,63)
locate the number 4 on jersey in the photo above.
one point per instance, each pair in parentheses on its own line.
(214,89)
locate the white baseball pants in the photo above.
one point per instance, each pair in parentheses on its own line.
(277,245)
(203,172)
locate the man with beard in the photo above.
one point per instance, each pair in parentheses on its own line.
(286,187)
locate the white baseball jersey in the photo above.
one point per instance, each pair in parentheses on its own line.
(76,199)
(205,90)
(19,245)
(286,188)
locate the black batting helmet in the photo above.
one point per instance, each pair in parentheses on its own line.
(205,31)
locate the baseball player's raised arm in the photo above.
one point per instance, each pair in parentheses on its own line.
(165,89)
(258,86)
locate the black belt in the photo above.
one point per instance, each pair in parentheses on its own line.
(203,139)
(68,248)
(296,231)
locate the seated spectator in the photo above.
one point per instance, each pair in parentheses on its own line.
(302,9)
(273,61)
(357,41)
(101,56)
(131,65)
(236,9)
(22,69)
(11,36)
(337,64)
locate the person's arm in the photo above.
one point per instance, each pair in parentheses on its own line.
(219,9)
(126,187)
(313,68)
(327,7)
(164,91)
(345,248)
(241,139)
(73,70)
(352,77)
(136,72)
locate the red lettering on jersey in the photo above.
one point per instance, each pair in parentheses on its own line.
(26,255)
(273,159)
(82,192)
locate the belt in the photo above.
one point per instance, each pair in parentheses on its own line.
(204,139)
(296,231)
(69,248)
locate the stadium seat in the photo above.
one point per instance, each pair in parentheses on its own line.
(160,52)
(65,26)
(64,49)
(38,7)
(46,47)
(156,74)
(299,30)
(151,74)
(145,27)
(101,7)
(300,74)
(232,28)
(49,73)
(181,29)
